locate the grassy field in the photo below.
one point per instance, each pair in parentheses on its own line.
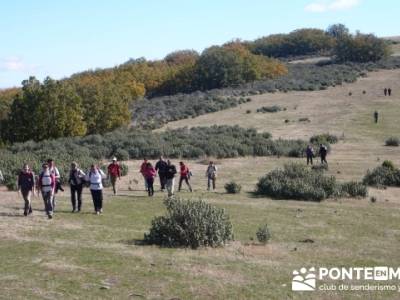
(84,256)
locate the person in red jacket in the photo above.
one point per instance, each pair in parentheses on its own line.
(142,171)
(185,175)
(114,172)
(149,173)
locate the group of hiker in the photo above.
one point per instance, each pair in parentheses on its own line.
(387,91)
(167,171)
(310,154)
(48,182)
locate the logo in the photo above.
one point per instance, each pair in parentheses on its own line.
(305,280)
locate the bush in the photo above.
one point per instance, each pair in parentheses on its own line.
(233,188)
(325,138)
(353,189)
(392,141)
(297,182)
(270,109)
(190,224)
(385,175)
(248,111)
(263,234)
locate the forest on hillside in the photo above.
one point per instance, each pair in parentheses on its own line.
(99,101)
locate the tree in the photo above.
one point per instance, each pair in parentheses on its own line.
(360,48)
(337,31)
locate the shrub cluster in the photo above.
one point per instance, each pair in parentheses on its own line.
(298,182)
(233,188)
(190,224)
(270,109)
(392,141)
(153,113)
(215,141)
(385,175)
(156,111)
(325,138)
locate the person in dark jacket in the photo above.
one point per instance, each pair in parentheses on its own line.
(310,154)
(389,91)
(170,178)
(385,90)
(26,186)
(161,168)
(76,181)
(376,115)
(323,151)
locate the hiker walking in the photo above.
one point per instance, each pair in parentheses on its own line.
(310,154)
(323,151)
(95,178)
(143,170)
(1,177)
(26,186)
(47,186)
(385,91)
(211,174)
(170,178)
(149,174)
(389,91)
(185,176)
(114,172)
(376,115)
(76,180)
(161,167)
(53,169)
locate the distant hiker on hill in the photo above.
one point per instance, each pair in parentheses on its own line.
(376,115)
(323,151)
(385,90)
(95,178)
(211,174)
(185,176)
(170,178)
(161,167)
(47,186)
(389,91)
(76,180)
(310,154)
(1,177)
(149,174)
(26,186)
(114,172)
(142,170)
(53,169)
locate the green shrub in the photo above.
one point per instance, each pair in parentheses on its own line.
(263,234)
(304,120)
(270,109)
(121,154)
(325,138)
(353,189)
(385,175)
(233,188)
(320,167)
(388,164)
(392,141)
(297,182)
(190,224)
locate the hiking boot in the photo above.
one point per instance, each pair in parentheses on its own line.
(50,216)
(25,213)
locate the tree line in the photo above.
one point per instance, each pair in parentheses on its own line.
(98,101)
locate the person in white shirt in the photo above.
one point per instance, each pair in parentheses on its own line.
(211,175)
(95,178)
(54,171)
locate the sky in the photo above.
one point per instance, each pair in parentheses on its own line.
(58,38)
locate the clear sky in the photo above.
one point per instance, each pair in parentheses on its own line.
(60,37)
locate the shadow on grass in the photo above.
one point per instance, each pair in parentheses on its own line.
(135,242)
